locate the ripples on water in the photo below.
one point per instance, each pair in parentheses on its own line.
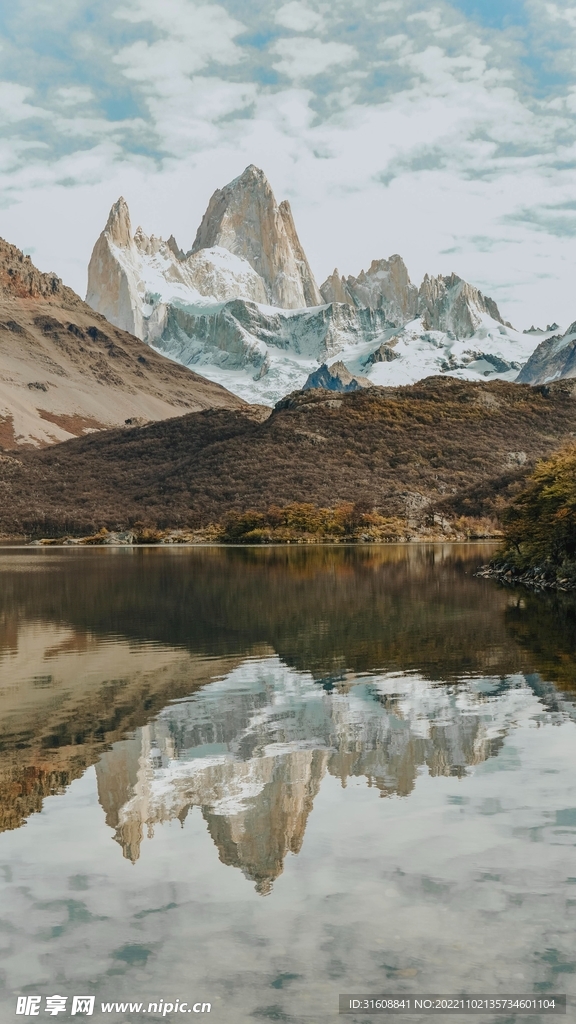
(371,738)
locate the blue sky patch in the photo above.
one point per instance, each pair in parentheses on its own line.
(494,13)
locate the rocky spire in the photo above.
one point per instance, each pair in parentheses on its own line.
(451,304)
(311,291)
(334,289)
(112,283)
(385,285)
(245,218)
(118,225)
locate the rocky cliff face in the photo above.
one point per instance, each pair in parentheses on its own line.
(244,218)
(446,304)
(386,285)
(553,359)
(450,304)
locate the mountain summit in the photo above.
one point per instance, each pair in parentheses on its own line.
(244,218)
(246,248)
(243,307)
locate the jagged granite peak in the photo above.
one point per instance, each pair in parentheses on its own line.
(336,378)
(112,291)
(385,285)
(311,291)
(444,303)
(553,359)
(175,248)
(335,289)
(245,218)
(452,305)
(118,225)
(132,278)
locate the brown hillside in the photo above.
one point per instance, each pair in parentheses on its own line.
(64,370)
(440,445)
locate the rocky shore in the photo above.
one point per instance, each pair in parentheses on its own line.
(537,577)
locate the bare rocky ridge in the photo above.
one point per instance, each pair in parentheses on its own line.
(446,304)
(553,359)
(64,370)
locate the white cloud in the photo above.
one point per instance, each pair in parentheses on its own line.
(432,18)
(298,16)
(193,35)
(74,95)
(14,105)
(562,13)
(303,57)
(400,41)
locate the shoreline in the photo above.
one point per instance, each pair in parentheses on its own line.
(23,545)
(537,578)
(372,529)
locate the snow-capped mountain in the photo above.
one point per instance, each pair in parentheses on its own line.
(553,359)
(242,306)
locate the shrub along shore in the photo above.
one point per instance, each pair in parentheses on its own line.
(540,529)
(298,523)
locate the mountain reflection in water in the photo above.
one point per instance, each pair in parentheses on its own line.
(252,749)
(234,680)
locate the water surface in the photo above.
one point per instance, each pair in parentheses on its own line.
(261,777)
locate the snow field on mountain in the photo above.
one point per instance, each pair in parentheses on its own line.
(232,307)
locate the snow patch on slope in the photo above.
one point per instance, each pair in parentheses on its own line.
(274,353)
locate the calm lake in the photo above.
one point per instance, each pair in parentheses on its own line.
(258,778)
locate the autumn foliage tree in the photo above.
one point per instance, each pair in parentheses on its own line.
(540,524)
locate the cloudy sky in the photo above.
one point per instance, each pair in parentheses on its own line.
(442,130)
